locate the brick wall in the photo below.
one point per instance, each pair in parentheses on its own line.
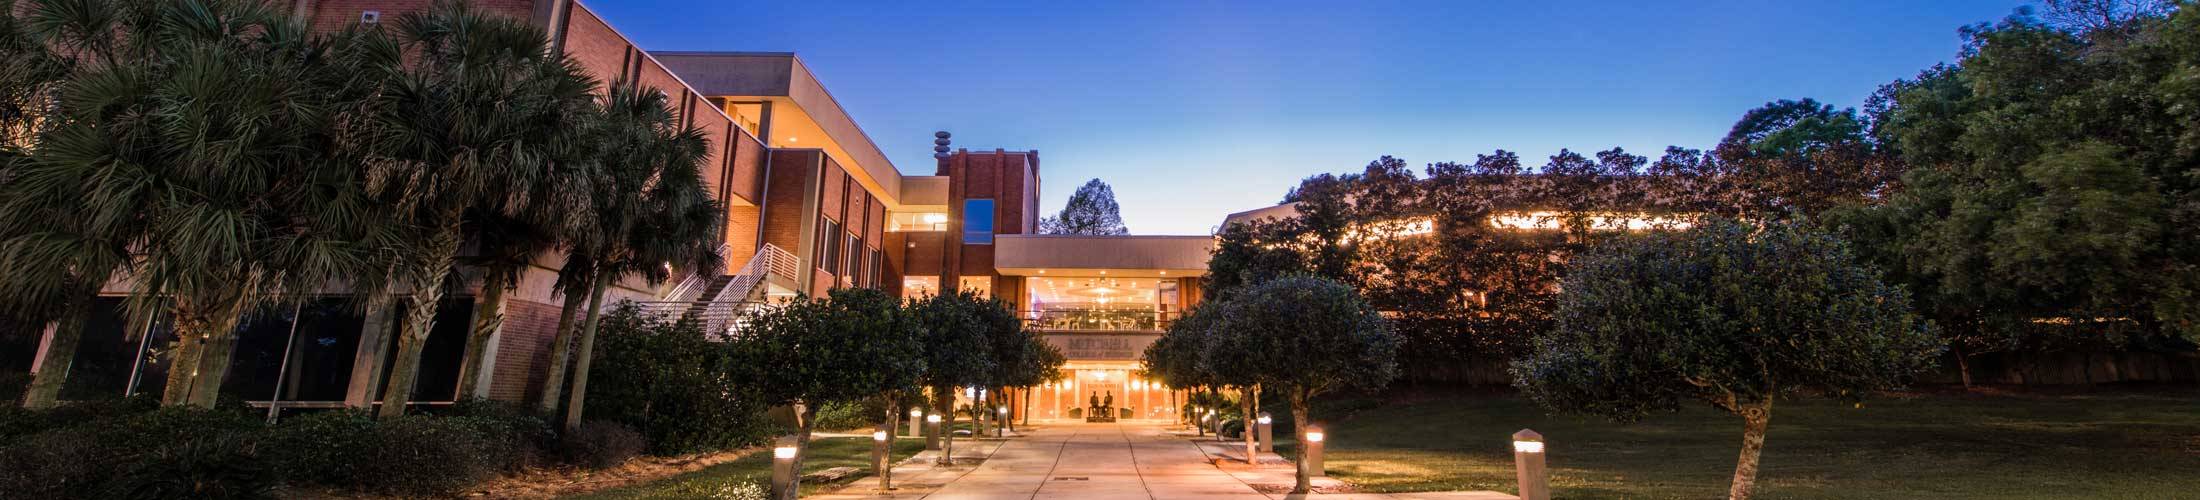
(523,350)
(782,217)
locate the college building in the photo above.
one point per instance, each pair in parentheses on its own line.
(812,204)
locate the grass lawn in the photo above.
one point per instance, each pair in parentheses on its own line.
(824,453)
(2123,444)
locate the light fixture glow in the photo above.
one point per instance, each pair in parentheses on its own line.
(932,419)
(1314,437)
(935,218)
(914,413)
(1264,420)
(878,435)
(1528,446)
(1004,411)
(784,452)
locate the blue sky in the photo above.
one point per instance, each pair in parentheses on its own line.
(1193,110)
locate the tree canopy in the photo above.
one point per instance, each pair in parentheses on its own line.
(1091,210)
(1729,314)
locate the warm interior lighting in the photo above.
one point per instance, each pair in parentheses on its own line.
(1551,220)
(783,452)
(878,435)
(1314,436)
(1528,446)
(935,218)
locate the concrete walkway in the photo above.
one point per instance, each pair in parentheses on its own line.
(1083,461)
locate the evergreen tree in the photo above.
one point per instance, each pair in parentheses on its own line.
(1091,211)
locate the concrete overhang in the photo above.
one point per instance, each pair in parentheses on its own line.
(782,79)
(1121,256)
(922,193)
(1284,211)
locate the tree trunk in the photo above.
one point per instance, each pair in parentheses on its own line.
(1753,444)
(806,416)
(893,426)
(421,306)
(582,355)
(1963,366)
(183,361)
(1252,448)
(561,345)
(53,370)
(488,316)
(1299,421)
(412,338)
(944,397)
(214,360)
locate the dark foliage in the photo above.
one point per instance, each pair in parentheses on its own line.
(671,383)
(602,445)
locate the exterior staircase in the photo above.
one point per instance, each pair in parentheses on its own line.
(718,301)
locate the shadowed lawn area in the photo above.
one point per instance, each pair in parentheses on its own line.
(2109,445)
(825,453)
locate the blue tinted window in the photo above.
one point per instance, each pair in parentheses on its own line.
(978,221)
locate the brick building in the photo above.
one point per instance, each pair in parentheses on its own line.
(812,204)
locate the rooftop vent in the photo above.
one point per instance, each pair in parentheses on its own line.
(939,144)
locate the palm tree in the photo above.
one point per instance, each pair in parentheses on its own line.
(652,211)
(31,73)
(508,245)
(192,146)
(477,116)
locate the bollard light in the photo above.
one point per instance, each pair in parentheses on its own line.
(882,450)
(785,479)
(914,413)
(932,419)
(1310,454)
(1528,467)
(1266,432)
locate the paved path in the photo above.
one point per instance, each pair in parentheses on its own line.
(1100,461)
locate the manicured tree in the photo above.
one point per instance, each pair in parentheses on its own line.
(200,136)
(1304,336)
(957,353)
(650,208)
(1729,314)
(1021,357)
(1219,358)
(856,344)
(476,115)
(1175,357)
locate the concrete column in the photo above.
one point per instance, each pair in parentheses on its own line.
(375,336)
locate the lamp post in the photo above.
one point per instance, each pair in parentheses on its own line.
(1267,433)
(1310,459)
(1535,481)
(785,479)
(882,451)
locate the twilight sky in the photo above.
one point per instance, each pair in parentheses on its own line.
(1193,110)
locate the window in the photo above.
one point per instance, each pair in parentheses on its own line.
(915,221)
(878,268)
(978,222)
(854,255)
(828,244)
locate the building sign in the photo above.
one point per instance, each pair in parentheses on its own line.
(1098,347)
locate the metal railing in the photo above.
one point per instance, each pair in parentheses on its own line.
(1131,320)
(691,286)
(727,296)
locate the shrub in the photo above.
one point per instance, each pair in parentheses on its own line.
(17,422)
(320,447)
(414,455)
(214,467)
(1233,428)
(79,460)
(527,435)
(600,445)
(713,490)
(670,383)
(851,415)
(57,464)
